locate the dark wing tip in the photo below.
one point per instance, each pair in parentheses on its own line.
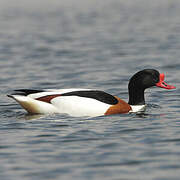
(26,92)
(9,95)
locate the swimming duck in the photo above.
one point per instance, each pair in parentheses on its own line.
(90,102)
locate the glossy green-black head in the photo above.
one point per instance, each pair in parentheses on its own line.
(142,80)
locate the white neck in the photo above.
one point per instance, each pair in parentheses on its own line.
(137,108)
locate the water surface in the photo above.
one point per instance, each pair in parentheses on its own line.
(89,44)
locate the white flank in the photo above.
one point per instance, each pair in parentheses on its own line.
(79,106)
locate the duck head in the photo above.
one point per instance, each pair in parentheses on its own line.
(142,80)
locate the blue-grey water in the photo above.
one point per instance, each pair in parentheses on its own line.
(89,44)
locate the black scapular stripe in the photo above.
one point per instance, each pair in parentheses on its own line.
(98,95)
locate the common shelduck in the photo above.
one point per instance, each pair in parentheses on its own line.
(89,102)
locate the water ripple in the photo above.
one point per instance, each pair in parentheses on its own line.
(85,44)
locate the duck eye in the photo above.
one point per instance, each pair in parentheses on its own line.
(155,79)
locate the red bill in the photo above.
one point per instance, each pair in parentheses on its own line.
(162,84)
